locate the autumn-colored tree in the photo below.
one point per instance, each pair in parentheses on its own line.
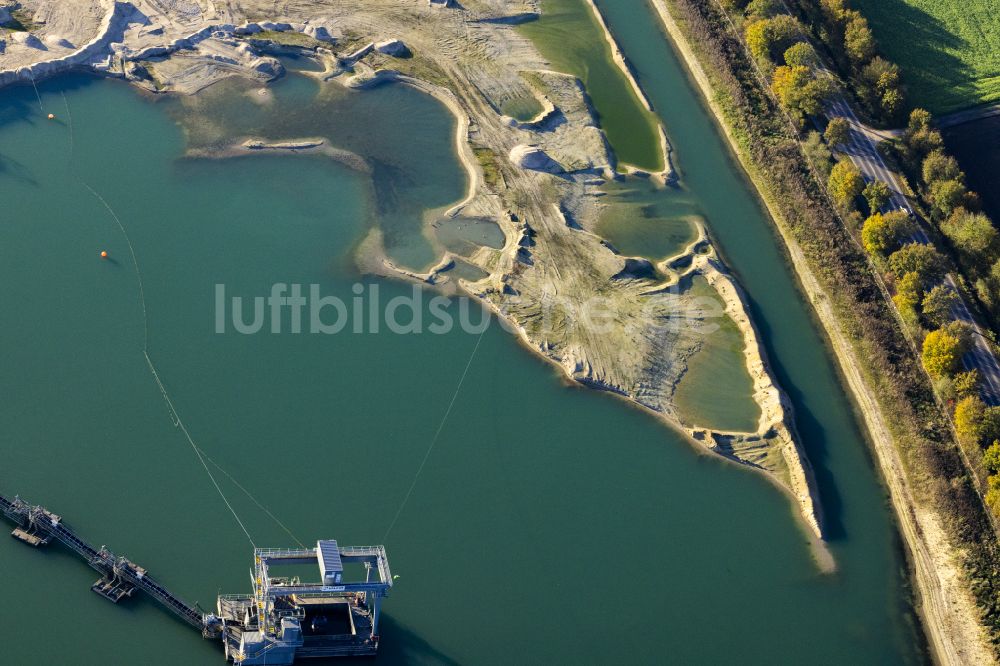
(991,457)
(988,289)
(838,131)
(941,353)
(819,90)
(947,195)
(960,330)
(938,165)
(920,136)
(923,142)
(884,234)
(919,258)
(882,88)
(937,305)
(800,54)
(849,15)
(892,102)
(785,30)
(919,120)
(834,9)
(992,496)
(993,493)
(991,425)
(858,41)
(970,412)
(988,286)
(799,91)
(758,38)
(966,383)
(881,75)
(762,9)
(769,38)
(788,83)
(909,292)
(845,183)
(987,292)
(877,194)
(972,233)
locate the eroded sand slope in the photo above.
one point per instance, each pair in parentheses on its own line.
(622,324)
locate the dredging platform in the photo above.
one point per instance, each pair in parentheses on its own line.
(282,620)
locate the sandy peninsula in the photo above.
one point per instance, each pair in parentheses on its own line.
(538,180)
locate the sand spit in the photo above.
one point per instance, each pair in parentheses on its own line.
(948,611)
(775,430)
(608,321)
(667,174)
(618,56)
(252,145)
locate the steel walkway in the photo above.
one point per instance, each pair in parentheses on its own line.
(112,567)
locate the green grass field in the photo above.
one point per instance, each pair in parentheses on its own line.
(949,50)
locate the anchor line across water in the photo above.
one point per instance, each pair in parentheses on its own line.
(203,457)
(69,119)
(434,440)
(33,85)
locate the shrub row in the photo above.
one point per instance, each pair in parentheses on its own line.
(914,271)
(848,42)
(921,432)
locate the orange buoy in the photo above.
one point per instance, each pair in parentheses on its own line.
(104,254)
(52,116)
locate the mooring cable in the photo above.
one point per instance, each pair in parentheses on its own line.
(180,424)
(35,86)
(437,435)
(251,497)
(135,262)
(174,415)
(172,410)
(69,119)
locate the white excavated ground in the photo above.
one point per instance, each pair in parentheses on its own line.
(539,180)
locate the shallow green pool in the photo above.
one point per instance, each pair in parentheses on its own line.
(538,503)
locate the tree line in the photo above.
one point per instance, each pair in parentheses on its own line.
(779,162)
(913,271)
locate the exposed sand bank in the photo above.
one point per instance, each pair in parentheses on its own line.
(552,266)
(666,174)
(947,608)
(251,145)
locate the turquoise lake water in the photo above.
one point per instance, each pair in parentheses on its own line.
(549,525)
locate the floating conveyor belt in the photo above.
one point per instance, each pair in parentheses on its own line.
(120,577)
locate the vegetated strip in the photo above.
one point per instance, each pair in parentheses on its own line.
(920,431)
(935,313)
(955,213)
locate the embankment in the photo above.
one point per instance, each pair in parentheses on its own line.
(667,173)
(113,24)
(948,540)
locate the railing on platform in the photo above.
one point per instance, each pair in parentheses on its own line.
(103,560)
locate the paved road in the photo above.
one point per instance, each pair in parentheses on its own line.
(863,153)
(968,115)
